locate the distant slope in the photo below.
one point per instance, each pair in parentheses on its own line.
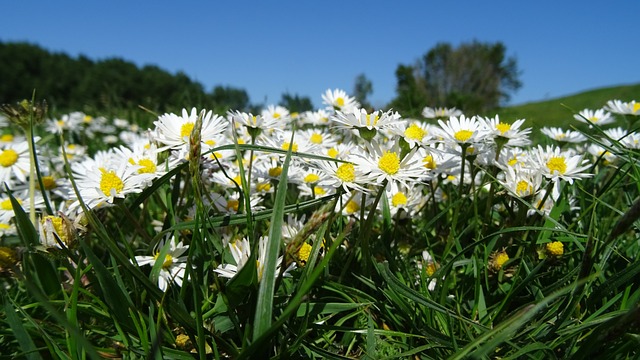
(559,112)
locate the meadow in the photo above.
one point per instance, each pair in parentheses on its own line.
(338,233)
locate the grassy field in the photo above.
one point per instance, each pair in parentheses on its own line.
(559,112)
(305,237)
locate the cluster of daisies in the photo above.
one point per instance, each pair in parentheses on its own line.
(355,155)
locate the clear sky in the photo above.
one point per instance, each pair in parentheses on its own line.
(305,47)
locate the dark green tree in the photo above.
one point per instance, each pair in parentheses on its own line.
(475,77)
(108,85)
(362,88)
(230,98)
(296,103)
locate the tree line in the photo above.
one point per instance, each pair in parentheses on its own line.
(475,77)
(80,83)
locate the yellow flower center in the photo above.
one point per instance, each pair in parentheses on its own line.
(332,153)
(431,268)
(87,119)
(375,120)
(210,142)
(186,130)
(6,204)
(276,171)
(319,191)
(311,178)
(236,180)
(303,253)
(414,132)
(513,161)
(286,146)
(499,260)
(148,166)
(6,138)
(276,115)
(168,260)
(233,205)
(503,127)
(316,138)
(593,119)
(636,107)
(557,164)
(58,227)
(399,199)
(429,162)
(340,102)
(523,188)
(346,172)
(555,248)
(8,157)
(263,187)
(215,155)
(351,207)
(389,162)
(49,182)
(463,135)
(8,257)
(110,181)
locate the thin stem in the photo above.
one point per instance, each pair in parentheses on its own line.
(32,177)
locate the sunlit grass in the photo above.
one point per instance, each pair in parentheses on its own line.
(330,234)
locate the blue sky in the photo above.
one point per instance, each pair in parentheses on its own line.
(305,47)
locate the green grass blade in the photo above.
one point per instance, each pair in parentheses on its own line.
(24,339)
(264,306)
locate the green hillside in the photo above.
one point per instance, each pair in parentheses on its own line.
(559,112)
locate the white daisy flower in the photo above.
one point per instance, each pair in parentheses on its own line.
(415,133)
(359,118)
(441,113)
(617,134)
(277,114)
(174,264)
(555,165)
(521,182)
(559,134)
(241,252)
(6,207)
(15,162)
(511,133)
(407,199)
(598,152)
(435,161)
(174,131)
(320,138)
(345,175)
(256,123)
(100,185)
(338,99)
(351,203)
(429,269)
(315,118)
(461,131)
(599,117)
(58,186)
(623,108)
(381,164)
(540,207)
(146,159)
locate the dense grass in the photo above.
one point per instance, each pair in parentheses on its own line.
(463,263)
